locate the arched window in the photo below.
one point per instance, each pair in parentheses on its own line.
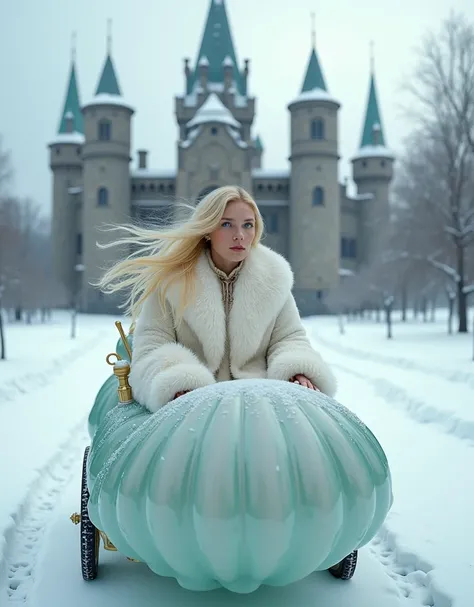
(318,196)
(102,197)
(104,130)
(317,128)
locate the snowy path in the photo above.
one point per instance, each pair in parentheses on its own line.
(420,557)
(42,425)
(425,423)
(32,518)
(438,396)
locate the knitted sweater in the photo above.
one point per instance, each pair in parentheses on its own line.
(227,284)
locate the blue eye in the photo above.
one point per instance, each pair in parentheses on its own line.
(226,223)
(249,225)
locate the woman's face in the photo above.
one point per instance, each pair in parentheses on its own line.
(232,239)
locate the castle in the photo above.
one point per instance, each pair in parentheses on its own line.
(309,216)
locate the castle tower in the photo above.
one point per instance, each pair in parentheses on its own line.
(215,115)
(314,199)
(372,170)
(106,200)
(65,162)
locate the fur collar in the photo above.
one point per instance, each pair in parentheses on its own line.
(263,286)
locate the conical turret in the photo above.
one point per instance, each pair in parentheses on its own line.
(72,106)
(108,82)
(217,50)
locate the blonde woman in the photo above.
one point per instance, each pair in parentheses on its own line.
(212,304)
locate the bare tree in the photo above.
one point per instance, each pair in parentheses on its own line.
(439,161)
(5,176)
(438,222)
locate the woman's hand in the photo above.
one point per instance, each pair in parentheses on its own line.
(178,394)
(304,381)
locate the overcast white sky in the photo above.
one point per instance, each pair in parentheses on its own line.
(150,40)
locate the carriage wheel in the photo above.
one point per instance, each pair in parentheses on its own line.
(90,538)
(346,568)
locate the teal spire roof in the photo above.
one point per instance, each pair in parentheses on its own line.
(108,82)
(314,78)
(72,104)
(259,144)
(217,47)
(372,118)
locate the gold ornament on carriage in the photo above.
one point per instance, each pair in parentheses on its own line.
(121,368)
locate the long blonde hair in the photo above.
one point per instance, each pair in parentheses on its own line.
(170,253)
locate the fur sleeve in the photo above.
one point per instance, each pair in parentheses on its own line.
(161,367)
(291,353)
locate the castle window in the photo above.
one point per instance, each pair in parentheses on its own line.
(152,187)
(134,188)
(317,128)
(214,130)
(260,187)
(364,163)
(102,197)
(318,196)
(273,224)
(270,221)
(171,188)
(382,163)
(161,187)
(79,244)
(348,248)
(104,130)
(270,188)
(142,187)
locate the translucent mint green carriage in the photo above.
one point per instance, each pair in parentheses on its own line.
(236,485)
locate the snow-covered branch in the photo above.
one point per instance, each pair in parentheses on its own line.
(445,268)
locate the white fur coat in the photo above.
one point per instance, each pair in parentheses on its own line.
(266,336)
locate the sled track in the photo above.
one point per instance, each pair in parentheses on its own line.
(15,388)
(23,538)
(459,377)
(410,574)
(417,409)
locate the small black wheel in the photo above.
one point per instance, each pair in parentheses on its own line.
(346,568)
(90,538)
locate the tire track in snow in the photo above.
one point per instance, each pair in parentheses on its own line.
(23,539)
(418,410)
(15,388)
(405,364)
(410,574)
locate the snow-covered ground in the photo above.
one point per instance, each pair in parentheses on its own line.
(415,392)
